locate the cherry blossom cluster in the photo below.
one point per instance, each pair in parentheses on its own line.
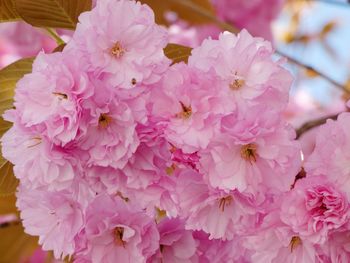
(123,156)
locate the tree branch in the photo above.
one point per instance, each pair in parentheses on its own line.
(314,123)
(10,223)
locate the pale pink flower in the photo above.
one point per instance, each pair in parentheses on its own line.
(53,216)
(270,161)
(247,69)
(189,105)
(337,249)
(37,162)
(221,214)
(111,137)
(275,242)
(116,232)
(122,49)
(49,100)
(315,208)
(177,245)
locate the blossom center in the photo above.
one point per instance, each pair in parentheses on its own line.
(248,152)
(237,84)
(118,236)
(36,141)
(294,243)
(225,201)
(117,50)
(104,120)
(126,199)
(60,95)
(186,111)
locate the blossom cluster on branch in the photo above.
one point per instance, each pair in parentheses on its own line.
(125,157)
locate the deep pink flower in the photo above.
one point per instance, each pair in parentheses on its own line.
(315,208)
(331,154)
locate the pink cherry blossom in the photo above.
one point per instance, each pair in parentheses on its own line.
(276,242)
(115,50)
(315,208)
(217,251)
(115,231)
(49,100)
(330,156)
(177,245)
(272,160)
(111,137)
(247,69)
(37,161)
(53,216)
(221,214)
(189,104)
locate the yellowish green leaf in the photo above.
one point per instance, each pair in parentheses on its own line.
(52,13)
(15,245)
(8,79)
(8,11)
(177,53)
(8,205)
(8,181)
(161,8)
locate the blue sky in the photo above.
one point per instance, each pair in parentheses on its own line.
(315,55)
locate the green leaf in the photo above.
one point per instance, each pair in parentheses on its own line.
(177,53)
(15,245)
(52,13)
(161,7)
(8,11)
(8,205)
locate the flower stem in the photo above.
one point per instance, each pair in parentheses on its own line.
(55,36)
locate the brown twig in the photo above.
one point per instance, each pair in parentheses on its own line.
(10,223)
(314,123)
